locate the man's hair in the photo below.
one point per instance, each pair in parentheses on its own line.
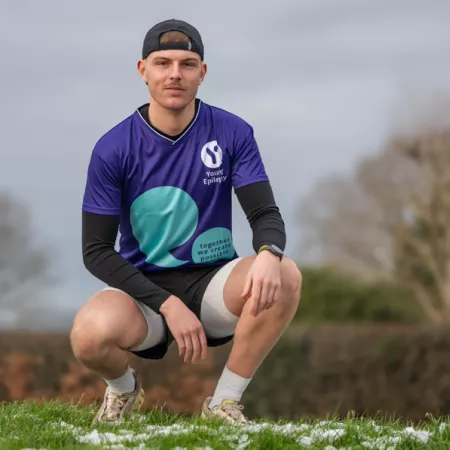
(174,36)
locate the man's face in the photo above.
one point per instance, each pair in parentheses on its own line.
(173,77)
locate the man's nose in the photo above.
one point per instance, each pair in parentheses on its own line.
(175,71)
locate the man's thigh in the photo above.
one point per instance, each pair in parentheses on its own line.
(222,303)
(109,316)
(156,333)
(218,315)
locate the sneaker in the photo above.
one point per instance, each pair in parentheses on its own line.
(228,410)
(116,406)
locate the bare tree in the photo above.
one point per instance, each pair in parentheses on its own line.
(391,219)
(24,270)
(343,226)
(422,250)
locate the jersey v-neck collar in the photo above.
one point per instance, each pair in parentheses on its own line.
(166,138)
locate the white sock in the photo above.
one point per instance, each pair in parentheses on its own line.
(124,384)
(229,387)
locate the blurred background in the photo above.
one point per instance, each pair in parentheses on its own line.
(350,102)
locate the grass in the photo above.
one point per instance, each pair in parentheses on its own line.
(34,426)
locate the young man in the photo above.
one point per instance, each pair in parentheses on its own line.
(165,175)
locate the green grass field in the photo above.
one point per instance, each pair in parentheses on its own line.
(32,426)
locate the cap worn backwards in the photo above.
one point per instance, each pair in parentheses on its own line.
(152,41)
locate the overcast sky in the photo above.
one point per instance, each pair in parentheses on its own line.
(323,83)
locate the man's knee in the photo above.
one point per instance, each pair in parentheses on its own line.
(291,277)
(291,284)
(90,337)
(109,319)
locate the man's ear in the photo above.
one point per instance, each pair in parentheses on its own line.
(140,68)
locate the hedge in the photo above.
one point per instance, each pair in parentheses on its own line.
(398,370)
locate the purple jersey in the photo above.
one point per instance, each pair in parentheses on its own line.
(173,197)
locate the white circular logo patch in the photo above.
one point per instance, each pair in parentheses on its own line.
(211,155)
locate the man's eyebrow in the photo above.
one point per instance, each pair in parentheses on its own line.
(164,58)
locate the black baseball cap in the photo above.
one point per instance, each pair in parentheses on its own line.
(152,38)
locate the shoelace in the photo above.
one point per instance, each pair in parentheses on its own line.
(114,404)
(234,410)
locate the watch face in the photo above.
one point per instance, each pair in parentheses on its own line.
(277,249)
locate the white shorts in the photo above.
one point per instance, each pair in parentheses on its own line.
(218,322)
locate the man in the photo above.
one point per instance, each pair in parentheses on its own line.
(165,175)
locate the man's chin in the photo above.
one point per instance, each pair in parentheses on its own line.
(176,104)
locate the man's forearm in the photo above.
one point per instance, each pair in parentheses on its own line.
(105,263)
(258,204)
(268,228)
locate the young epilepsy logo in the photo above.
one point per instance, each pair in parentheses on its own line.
(212,158)
(212,155)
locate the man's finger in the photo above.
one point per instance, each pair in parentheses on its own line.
(264,297)
(195,347)
(188,352)
(255,298)
(272,297)
(247,287)
(203,343)
(181,345)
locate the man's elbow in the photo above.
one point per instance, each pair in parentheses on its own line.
(91,254)
(88,262)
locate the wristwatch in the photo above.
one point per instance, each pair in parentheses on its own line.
(272,248)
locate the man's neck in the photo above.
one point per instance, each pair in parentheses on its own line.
(169,122)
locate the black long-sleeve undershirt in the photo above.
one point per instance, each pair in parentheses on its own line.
(103,261)
(99,234)
(258,203)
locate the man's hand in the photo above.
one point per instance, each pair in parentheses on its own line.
(186,329)
(263,282)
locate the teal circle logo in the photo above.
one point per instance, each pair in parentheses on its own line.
(163,219)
